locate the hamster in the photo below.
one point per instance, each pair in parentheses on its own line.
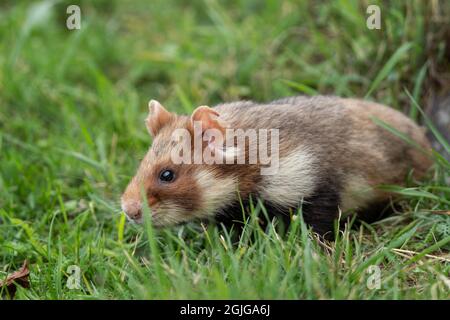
(331,156)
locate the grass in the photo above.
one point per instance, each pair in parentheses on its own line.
(72,105)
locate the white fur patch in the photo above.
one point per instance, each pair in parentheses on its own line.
(356,193)
(168,214)
(216,192)
(296,179)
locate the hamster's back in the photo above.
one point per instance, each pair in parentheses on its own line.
(341,133)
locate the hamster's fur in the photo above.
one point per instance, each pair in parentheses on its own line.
(332,157)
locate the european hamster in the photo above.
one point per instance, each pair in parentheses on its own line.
(330,157)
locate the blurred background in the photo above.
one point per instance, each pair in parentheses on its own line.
(73,102)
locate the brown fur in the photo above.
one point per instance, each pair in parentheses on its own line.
(345,149)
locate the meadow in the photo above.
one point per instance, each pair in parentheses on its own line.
(72,110)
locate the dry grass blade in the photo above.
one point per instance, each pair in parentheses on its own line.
(409,254)
(19,277)
(443,212)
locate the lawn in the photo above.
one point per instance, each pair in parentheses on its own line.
(72,110)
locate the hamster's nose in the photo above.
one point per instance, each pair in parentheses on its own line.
(133,210)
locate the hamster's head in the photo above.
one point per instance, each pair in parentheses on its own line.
(177,188)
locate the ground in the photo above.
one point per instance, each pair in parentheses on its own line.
(72,109)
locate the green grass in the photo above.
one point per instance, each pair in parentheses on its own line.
(72,105)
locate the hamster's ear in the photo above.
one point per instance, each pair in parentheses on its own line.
(209,118)
(213,132)
(157,117)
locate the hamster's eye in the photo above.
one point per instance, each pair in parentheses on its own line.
(166,175)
